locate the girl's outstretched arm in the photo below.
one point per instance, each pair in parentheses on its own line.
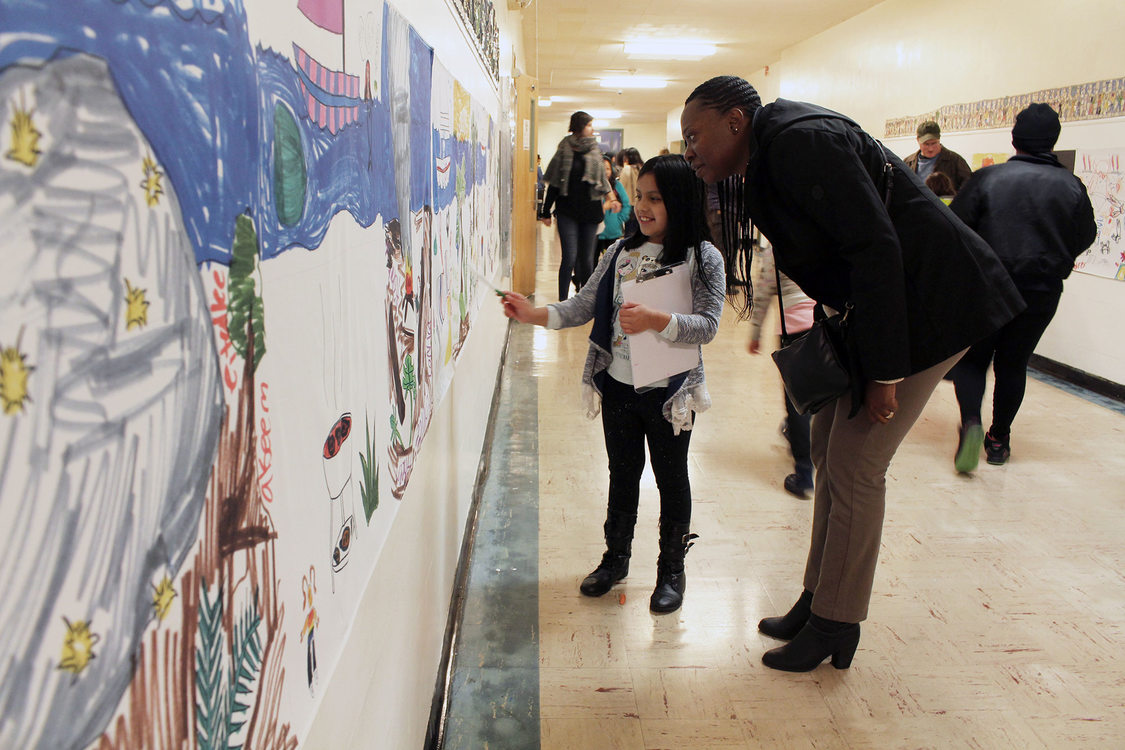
(519,307)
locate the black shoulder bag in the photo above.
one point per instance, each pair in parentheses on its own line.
(815,367)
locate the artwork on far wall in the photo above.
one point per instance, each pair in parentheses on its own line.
(1086,101)
(1101,171)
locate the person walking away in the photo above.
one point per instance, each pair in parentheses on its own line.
(858,232)
(1038,218)
(575,185)
(798,311)
(672,230)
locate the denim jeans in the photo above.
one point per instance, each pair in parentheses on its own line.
(578,241)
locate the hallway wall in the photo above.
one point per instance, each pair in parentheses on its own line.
(905,58)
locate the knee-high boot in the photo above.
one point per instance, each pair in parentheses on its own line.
(615,562)
(671,579)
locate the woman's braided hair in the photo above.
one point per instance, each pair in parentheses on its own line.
(725,93)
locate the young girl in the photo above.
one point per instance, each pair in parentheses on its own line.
(618,209)
(673,228)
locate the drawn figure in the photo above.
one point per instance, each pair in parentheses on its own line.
(312,621)
(337,476)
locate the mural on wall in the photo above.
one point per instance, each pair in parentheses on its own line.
(1101,172)
(1087,101)
(206,263)
(479,17)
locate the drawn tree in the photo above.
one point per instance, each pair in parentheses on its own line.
(409,384)
(245,304)
(225,697)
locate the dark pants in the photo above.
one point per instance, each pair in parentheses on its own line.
(577,240)
(629,419)
(1008,350)
(797,433)
(797,430)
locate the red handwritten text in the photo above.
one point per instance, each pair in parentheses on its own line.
(265,450)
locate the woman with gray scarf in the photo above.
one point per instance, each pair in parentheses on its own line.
(576,182)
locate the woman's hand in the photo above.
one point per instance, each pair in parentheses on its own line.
(754,347)
(635,318)
(880,401)
(546,220)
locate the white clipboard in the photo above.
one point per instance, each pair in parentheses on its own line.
(652,356)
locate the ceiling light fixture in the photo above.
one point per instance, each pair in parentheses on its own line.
(633,82)
(544,102)
(669,49)
(604,114)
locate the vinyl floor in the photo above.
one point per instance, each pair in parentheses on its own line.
(998,617)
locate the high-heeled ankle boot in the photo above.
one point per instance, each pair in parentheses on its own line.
(671,579)
(817,641)
(615,561)
(789,624)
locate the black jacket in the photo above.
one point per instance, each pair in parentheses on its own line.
(924,286)
(1035,214)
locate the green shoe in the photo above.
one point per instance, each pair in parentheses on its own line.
(968,447)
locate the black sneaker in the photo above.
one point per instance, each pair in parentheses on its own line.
(997,452)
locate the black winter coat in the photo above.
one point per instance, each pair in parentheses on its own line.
(923,285)
(1034,213)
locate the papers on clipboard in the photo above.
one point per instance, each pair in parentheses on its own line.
(652,356)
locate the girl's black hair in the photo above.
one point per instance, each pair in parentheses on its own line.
(725,93)
(580,120)
(685,203)
(612,173)
(633,156)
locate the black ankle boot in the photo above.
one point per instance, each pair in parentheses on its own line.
(615,562)
(671,579)
(789,624)
(813,645)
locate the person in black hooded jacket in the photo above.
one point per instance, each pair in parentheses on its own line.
(1038,218)
(855,228)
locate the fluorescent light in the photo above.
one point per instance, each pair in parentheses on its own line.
(545,102)
(604,114)
(669,49)
(633,82)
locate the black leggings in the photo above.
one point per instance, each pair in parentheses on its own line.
(628,420)
(1009,350)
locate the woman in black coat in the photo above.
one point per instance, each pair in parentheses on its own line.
(856,230)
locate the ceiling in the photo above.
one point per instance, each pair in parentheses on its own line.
(570,44)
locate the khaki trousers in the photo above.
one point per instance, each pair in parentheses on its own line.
(851,457)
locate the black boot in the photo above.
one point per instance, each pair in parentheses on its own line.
(817,641)
(789,624)
(671,580)
(615,562)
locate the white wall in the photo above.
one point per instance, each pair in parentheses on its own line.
(381,692)
(905,58)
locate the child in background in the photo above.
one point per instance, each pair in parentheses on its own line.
(618,209)
(798,320)
(673,229)
(941,186)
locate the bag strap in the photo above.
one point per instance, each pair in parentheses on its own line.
(780,302)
